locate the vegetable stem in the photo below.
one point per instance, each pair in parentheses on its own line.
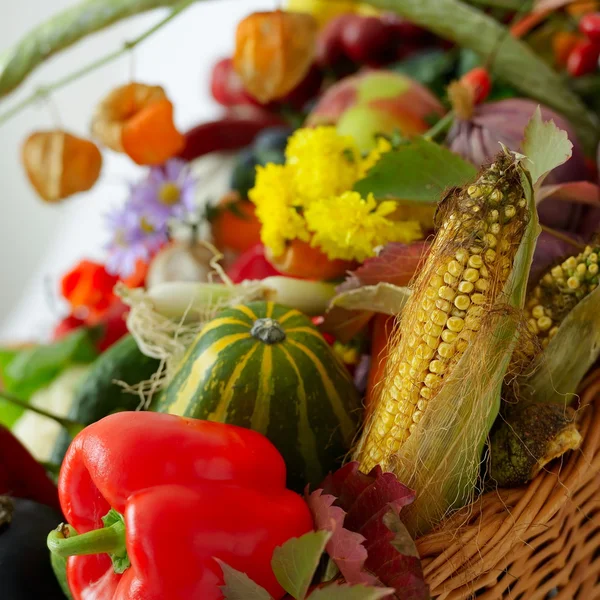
(72,427)
(44,91)
(441,126)
(109,540)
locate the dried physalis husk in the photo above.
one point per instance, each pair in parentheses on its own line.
(119,107)
(59,164)
(274,51)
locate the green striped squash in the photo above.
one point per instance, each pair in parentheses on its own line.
(266,367)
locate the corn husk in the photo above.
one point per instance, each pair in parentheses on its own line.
(441,459)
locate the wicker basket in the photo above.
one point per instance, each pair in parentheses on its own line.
(533,543)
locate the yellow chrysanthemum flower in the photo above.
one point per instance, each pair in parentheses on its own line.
(273,197)
(322,163)
(350,227)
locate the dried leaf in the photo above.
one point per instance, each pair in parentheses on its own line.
(580,192)
(344,324)
(545,146)
(418,171)
(347,592)
(238,586)
(396,264)
(383,298)
(361,505)
(543,5)
(295,563)
(564,363)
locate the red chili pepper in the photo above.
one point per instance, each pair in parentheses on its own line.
(251,265)
(21,475)
(590,26)
(583,59)
(186,492)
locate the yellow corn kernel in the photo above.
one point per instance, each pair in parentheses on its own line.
(462,302)
(465,287)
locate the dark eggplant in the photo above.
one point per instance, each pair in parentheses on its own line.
(25,568)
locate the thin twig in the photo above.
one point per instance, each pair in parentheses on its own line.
(44,91)
(561,236)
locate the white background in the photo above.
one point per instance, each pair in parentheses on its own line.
(39,242)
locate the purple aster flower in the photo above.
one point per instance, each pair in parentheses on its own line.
(133,239)
(167,192)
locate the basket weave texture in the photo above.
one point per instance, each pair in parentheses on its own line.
(538,542)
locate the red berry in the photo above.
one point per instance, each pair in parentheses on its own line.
(479,80)
(330,50)
(583,59)
(366,39)
(590,26)
(226,85)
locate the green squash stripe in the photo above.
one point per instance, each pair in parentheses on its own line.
(306,437)
(245,310)
(307,330)
(262,408)
(221,322)
(289,315)
(347,426)
(227,396)
(198,369)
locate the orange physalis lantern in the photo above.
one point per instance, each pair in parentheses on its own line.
(274,51)
(59,164)
(138,119)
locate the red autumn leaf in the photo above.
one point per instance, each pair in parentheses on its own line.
(396,264)
(579,192)
(369,543)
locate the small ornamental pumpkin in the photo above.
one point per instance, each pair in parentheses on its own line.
(137,119)
(266,367)
(59,164)
(274,51)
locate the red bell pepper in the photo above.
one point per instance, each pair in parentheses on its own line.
(176,493)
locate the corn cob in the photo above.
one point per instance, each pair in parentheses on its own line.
(559,291)
(470,261)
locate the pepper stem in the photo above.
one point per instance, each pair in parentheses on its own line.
(108,540)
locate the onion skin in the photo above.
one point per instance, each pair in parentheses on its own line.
(477,140)
(504,121)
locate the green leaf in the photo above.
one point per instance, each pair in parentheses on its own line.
(432,68)
(383,297)
(546,147)
(347,592)
(513,60)
(445,467)
(568,356)
(26,371)
(295,563)
(34,368)
(238,586)
(419,171)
